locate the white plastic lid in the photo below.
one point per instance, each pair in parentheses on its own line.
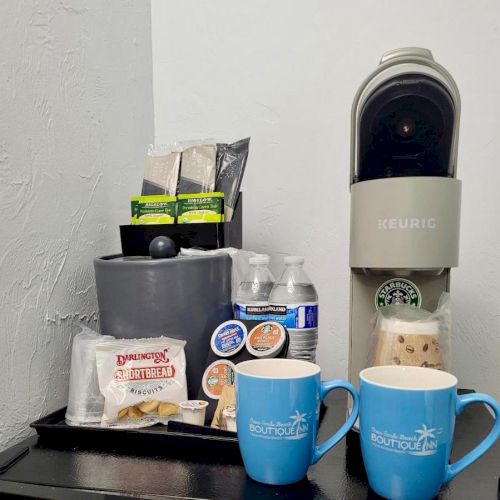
(394,325)
(293,259)
(229,411)
(194,405)
(259,259)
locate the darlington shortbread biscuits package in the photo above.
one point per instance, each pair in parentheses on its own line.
(142,380)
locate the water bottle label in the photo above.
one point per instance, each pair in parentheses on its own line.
(248,311)
(298,316)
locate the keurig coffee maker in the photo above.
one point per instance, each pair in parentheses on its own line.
(405,199)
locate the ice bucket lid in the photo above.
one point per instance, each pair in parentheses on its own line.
(120,259)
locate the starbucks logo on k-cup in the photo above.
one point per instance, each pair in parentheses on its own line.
(398,291)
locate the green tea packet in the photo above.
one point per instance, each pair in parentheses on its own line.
(157,209)
(200,207)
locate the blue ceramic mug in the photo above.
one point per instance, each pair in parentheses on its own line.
(406,418)
(277,411)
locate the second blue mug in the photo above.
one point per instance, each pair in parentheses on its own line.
(406,422)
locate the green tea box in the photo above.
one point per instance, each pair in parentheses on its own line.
(155,209)
(200,207)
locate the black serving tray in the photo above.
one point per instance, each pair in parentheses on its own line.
(173,440)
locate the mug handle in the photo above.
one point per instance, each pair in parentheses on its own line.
(463,401)
(325,388)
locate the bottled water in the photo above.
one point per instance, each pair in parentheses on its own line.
(252,296)
(294,303)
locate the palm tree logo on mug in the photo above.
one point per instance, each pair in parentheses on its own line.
(297,427)
(300,430)
(423,442)
(429,446)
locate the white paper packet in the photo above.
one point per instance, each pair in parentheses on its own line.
(240,259)
(142,380)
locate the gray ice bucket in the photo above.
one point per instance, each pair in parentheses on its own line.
(182,297)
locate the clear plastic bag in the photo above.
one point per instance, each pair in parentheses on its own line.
(161,171)
(406,335)
(240,259)
(85,402)
(198,166)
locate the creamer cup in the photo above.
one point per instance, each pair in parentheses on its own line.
(229,419)
(193,411)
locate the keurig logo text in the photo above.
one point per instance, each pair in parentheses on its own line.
(407,223)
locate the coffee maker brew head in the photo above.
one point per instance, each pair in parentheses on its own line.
(405,119)
(405,198)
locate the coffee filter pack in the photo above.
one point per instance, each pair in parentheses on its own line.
(410,336)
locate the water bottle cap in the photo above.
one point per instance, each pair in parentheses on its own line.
(293,259)
(260,258)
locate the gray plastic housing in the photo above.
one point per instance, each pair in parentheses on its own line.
(397,63)
(405,223)
(182,297)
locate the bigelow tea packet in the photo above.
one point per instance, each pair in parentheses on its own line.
(200,207)
(156,209)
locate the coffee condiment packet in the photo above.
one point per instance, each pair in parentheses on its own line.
(230,173)
(198,169)
(161,171)
(142,380)
(227,400)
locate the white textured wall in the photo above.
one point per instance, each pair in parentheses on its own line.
(76,117)
(286,73)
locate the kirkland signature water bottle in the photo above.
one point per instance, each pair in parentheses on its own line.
(294,303)
(252,296)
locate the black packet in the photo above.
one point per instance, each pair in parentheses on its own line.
(231,162)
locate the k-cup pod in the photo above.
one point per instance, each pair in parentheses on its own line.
(193,411)
(229,338)
(408,343)
(266,340)
(229,419)
(216,376)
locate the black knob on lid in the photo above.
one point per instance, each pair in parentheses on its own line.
(162,247)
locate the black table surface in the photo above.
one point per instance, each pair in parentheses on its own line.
(46,472)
